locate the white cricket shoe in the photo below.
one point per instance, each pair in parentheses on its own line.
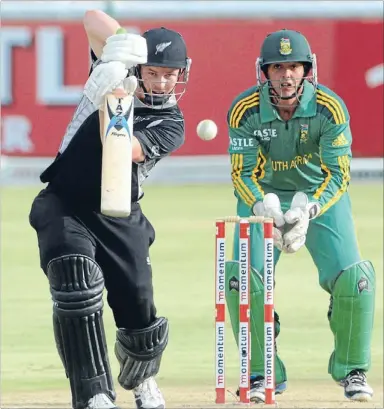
(100,401)
(148,395)
(356,386)
(257,390)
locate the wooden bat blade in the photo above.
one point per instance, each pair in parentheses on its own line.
(117,154)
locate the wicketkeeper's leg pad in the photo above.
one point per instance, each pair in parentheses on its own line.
(351,315)
(139,352)
(77,285)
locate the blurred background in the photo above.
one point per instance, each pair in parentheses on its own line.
(44,64)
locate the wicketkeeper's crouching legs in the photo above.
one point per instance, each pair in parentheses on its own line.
(77,284)
(256,318)
(257,393)
(350,281)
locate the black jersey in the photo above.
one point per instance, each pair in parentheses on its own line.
(75,174)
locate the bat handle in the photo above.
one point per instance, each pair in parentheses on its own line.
(131,84)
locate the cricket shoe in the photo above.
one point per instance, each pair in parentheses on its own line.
(356,386)
(148,395)
(100,401)
(257,390)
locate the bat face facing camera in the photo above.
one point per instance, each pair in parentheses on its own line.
(117,153)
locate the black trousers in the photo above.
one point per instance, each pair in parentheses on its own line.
(119,246)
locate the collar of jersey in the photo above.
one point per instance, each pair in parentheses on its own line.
(307,107)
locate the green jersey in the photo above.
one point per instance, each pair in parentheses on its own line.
(310,153)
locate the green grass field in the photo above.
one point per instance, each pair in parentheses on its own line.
(182,259)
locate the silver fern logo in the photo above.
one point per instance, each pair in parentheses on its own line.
(162,46)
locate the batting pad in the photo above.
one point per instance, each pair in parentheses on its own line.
(77,285)
(139,352)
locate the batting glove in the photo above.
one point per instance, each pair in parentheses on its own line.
(130,49)
(103,79)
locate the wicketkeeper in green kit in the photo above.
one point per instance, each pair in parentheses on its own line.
(290,149)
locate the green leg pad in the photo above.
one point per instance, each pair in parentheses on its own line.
(351,316)
(256,318)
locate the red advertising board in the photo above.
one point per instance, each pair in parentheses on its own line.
(358,76)
(46,65)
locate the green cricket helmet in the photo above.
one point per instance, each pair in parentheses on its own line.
(286,46)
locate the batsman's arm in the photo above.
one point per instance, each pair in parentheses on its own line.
(335,155)
(246,161)
(161,138)
(99,26)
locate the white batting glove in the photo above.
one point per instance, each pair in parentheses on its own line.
(271,207)
(130,49)
(299,215)
(104,78)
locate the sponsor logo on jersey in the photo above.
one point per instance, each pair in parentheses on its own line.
(137,119)
(265,134)
(238,144)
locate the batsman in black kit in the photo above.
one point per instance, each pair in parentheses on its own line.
(81,250)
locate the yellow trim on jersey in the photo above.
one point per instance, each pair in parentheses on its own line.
(262,174)
(333,105)
(259,166)
(237,161)
(235,108)
(261,161)
(241,106)
(330,107)
(250,104)
(324,185)
(344,168)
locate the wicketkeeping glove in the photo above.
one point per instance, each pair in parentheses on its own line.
(299,215)
(270,207)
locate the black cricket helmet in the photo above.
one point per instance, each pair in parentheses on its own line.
(286,46)
(166,48)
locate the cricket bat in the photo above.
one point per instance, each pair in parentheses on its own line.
(117,150)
